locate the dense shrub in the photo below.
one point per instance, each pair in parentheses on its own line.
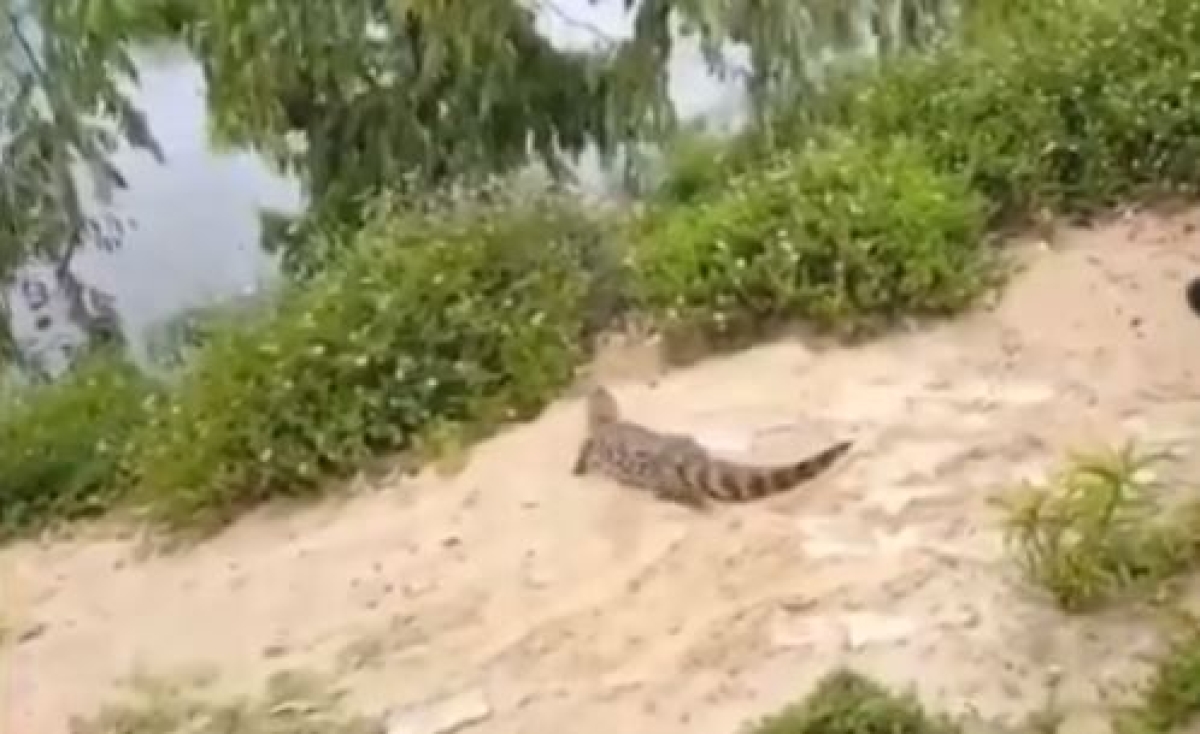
(1069,106)
(432,320)
(61,443)
(845,232)
(1078,105)
(692,163)
(1072,105)
(171,341)
(845,702)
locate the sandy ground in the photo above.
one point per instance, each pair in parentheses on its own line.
(571,604)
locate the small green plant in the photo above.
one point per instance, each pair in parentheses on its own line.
(1170,698)
(845,233)
(293,703)
(1095,528)
(845,702)
(61,444)
(433,328)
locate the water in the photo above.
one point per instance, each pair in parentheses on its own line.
(196,235)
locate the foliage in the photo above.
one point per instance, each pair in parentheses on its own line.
(1170,699)
(1094,529)
(429,91)
(292,703)
(171,342)
(61,443)
(65,110)
(1071,105)
(695,164)
(389,94)
(454,318)
(845,702)
(844,233)
(149,21)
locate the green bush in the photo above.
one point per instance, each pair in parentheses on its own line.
(1073,105)
(869,200)
(844,702)
(696,162)
(1096,107)
(433,321)
(61,443)
(845,233)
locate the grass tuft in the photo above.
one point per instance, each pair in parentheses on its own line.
(292,703)
(1096,528)
(1170,698)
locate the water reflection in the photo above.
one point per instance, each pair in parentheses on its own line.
(191,227)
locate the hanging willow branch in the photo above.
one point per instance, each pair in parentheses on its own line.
(384,92)
(64,114)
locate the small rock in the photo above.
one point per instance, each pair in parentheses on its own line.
(443,716)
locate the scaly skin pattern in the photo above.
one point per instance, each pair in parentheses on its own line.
(676,467)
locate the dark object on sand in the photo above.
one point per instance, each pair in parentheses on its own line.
(1193,295)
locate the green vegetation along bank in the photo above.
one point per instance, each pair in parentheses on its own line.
(876,200)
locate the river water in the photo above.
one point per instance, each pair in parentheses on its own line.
(195,235)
